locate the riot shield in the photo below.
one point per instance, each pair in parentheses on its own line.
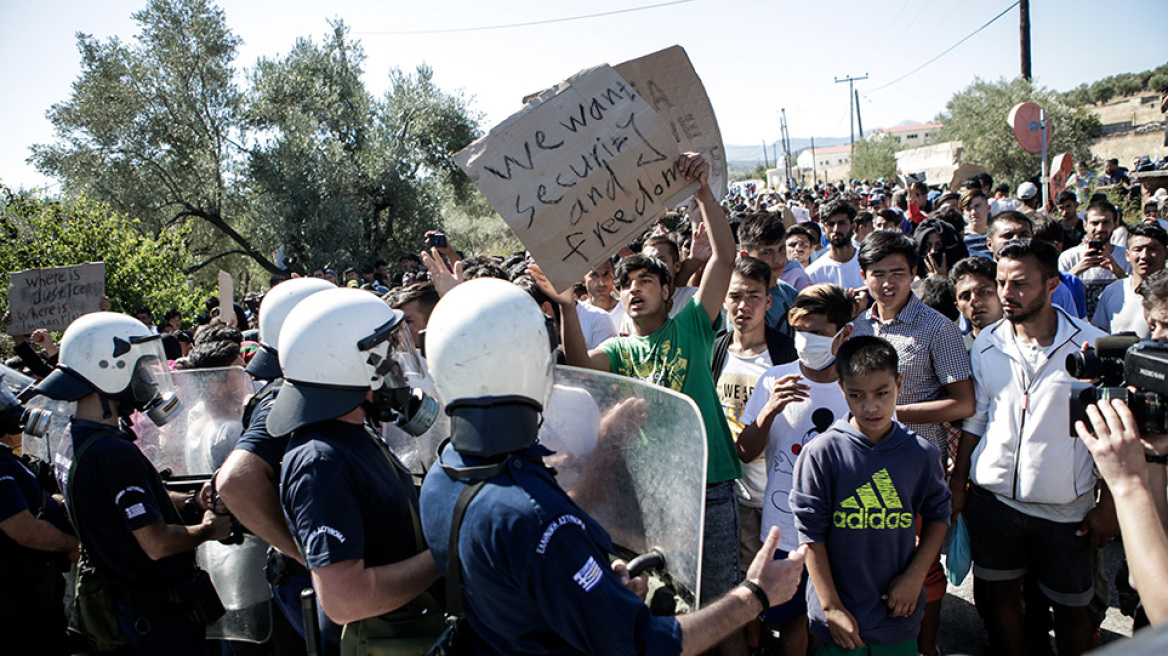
(197,441)
(634,456)
(237,571)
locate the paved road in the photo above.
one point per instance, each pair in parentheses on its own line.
(962,631)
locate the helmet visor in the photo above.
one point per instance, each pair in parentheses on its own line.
(151,378)
(392,353)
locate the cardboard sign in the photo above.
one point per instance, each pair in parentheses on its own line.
(668,81)
(52,298)
(1061,168)
(227,299)
(579,172)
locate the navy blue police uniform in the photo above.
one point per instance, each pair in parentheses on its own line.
(117,491)
(536,577)
(346,498)
(31,584)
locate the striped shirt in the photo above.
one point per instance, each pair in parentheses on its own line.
(931,352)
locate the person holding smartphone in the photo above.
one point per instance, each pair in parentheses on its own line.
(1096,261)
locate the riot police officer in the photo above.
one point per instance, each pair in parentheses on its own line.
(248,481)
(129,525)
(534,565)
(351,505)
(36,543)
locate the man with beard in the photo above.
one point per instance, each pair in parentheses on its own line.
(839,265)
(1097,261)
(1031,504)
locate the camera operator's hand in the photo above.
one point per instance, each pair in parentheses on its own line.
(1114,442)
(444,277)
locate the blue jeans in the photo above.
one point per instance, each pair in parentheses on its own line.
(720,563)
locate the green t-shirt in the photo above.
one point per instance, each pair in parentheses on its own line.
(678,356)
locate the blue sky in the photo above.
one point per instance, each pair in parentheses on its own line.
(754,57)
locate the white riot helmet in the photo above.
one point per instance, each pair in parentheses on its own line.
(116,356)
(333,351)
(274,309)
(488,351)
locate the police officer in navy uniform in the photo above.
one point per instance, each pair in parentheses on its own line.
(351,505)
(36,545)
(129,525)
(248,482)
(535,567)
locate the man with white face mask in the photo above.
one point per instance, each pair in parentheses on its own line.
(791,404)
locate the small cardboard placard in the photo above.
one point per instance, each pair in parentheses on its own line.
(668,81)
(1060,169)
(52,298)
(579,172)
(227,299)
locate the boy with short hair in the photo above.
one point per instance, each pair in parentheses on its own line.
(858,491)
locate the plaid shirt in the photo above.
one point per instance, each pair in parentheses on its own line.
(932,355)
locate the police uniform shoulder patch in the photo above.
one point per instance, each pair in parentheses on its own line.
(589,575)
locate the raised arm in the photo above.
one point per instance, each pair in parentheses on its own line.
(716,277)
(576,351)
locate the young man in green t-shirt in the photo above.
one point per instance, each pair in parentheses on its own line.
(675,353)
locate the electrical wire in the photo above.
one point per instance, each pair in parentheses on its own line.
(946,51)
(530,23)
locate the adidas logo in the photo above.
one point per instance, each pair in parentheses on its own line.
(865,510)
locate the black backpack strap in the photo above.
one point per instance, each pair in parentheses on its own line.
(453,562)
(721,348)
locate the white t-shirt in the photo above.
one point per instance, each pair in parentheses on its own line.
(735,384)
(796,425)
(1121,309)
(597,324)
(846,275)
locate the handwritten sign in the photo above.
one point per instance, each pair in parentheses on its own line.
(579,172)
(668,81)
(53,298)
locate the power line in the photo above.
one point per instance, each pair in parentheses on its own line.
(947,50)
(531,23)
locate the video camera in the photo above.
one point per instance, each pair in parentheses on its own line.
(1116,363)
(15,418)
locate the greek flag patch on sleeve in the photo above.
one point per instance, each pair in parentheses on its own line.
(589,575)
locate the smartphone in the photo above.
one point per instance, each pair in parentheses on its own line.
(1095,245)
(437,240)
(935,258)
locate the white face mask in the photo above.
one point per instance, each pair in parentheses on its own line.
(815,350)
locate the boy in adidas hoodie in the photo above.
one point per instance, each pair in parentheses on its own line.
(859,490)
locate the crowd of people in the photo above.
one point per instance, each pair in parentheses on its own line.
(870,362)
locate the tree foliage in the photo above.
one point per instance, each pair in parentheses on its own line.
(875,157)
(1125,84)
(976,116)
(342,173)
(301,156)
(140,269)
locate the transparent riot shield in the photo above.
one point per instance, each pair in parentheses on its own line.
(237,571)
(634,456)
(197,441)
(192,446)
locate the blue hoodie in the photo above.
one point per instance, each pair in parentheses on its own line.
(861,499)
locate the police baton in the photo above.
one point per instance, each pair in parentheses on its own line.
(311,628)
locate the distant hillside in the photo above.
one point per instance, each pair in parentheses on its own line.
(748,157)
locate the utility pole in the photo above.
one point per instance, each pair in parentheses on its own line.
(1024,29)
(851,102)
(786,147)
(765,162)
(814,164)
(859,123)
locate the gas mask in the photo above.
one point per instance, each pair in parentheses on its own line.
(151,390)
(16,419)
(393,357)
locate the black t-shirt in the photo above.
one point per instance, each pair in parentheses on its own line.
(257,440)
(19,491)
(345,499)
(117,491)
